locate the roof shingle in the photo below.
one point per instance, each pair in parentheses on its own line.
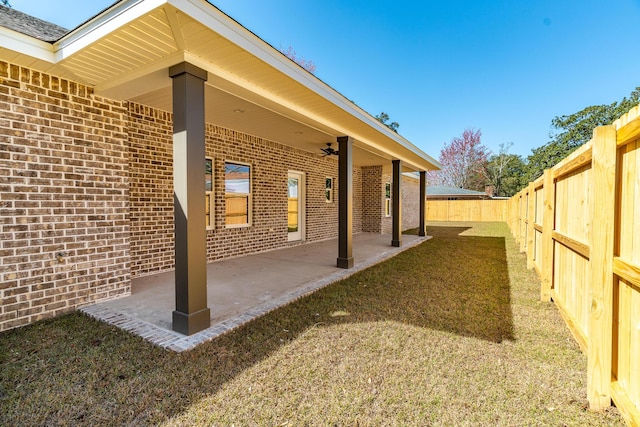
(30,26)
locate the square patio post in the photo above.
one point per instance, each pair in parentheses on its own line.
(345,202)
(396,202)
(191,314)
(423,204)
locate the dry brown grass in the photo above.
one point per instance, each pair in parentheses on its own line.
(448,333)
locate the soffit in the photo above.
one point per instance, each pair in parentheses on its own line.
(125,54)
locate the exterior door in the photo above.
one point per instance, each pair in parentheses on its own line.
(295,222)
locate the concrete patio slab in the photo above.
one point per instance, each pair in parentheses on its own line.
(241,289)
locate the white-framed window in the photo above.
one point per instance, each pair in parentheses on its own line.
(328,189)
(208,192)
(387,199)
(237,194)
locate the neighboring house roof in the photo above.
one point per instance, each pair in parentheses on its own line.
(442,191)
(30,26)
(125,51)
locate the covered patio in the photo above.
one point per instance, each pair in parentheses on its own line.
(241,289)
(195,135)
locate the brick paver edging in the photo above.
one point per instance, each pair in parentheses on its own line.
(177,342)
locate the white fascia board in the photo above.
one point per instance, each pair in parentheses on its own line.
(107,22)
(239,35)
(127,11)
(26,45)
(412,175)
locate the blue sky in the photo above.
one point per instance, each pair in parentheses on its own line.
(506,67)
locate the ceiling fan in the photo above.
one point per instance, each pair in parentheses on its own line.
(329,151)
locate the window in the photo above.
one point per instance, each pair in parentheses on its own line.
(328,190)
(208,191)
(387,199)
(237,188)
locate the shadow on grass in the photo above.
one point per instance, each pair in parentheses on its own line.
(73,370)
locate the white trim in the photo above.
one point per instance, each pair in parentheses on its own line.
(331,190)
(126,11)
(211,194)
(178,36)
(26,45)
(249,222)
(241,36)
(387,200)
(107,22)
(299,235)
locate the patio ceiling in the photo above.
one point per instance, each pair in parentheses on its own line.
(124,53)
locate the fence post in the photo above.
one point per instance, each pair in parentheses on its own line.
(512,215)
(548,224)
(531,219)
(600,340)
(516,210)
(522,226)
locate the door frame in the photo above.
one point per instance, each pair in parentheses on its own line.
(299,235)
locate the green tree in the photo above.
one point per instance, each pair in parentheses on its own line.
(504,172)
(384,119)
(573,130)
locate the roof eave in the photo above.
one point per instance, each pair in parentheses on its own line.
(26,45)
(127,11)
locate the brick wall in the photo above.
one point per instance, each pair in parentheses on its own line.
(87,195)
(410,202)
(386,222)
(357,201)
(270,163)
(151,175)
(63,198)
(151,189)
(410,190)
(372,199)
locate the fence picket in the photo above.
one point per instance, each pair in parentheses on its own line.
(601,260)
(548,221)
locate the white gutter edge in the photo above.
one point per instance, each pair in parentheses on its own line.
(241,36)
(126,11)
(107,22)
(27,45)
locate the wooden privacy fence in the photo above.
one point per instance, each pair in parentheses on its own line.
(467,210)
(579,225)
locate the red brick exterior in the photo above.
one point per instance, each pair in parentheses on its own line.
(410,202)
(87,195)
(151,181)
(150,189)
(64,198)
(372,199)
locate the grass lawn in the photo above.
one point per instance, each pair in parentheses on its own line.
(450,332)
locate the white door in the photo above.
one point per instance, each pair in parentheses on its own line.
(295,222)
